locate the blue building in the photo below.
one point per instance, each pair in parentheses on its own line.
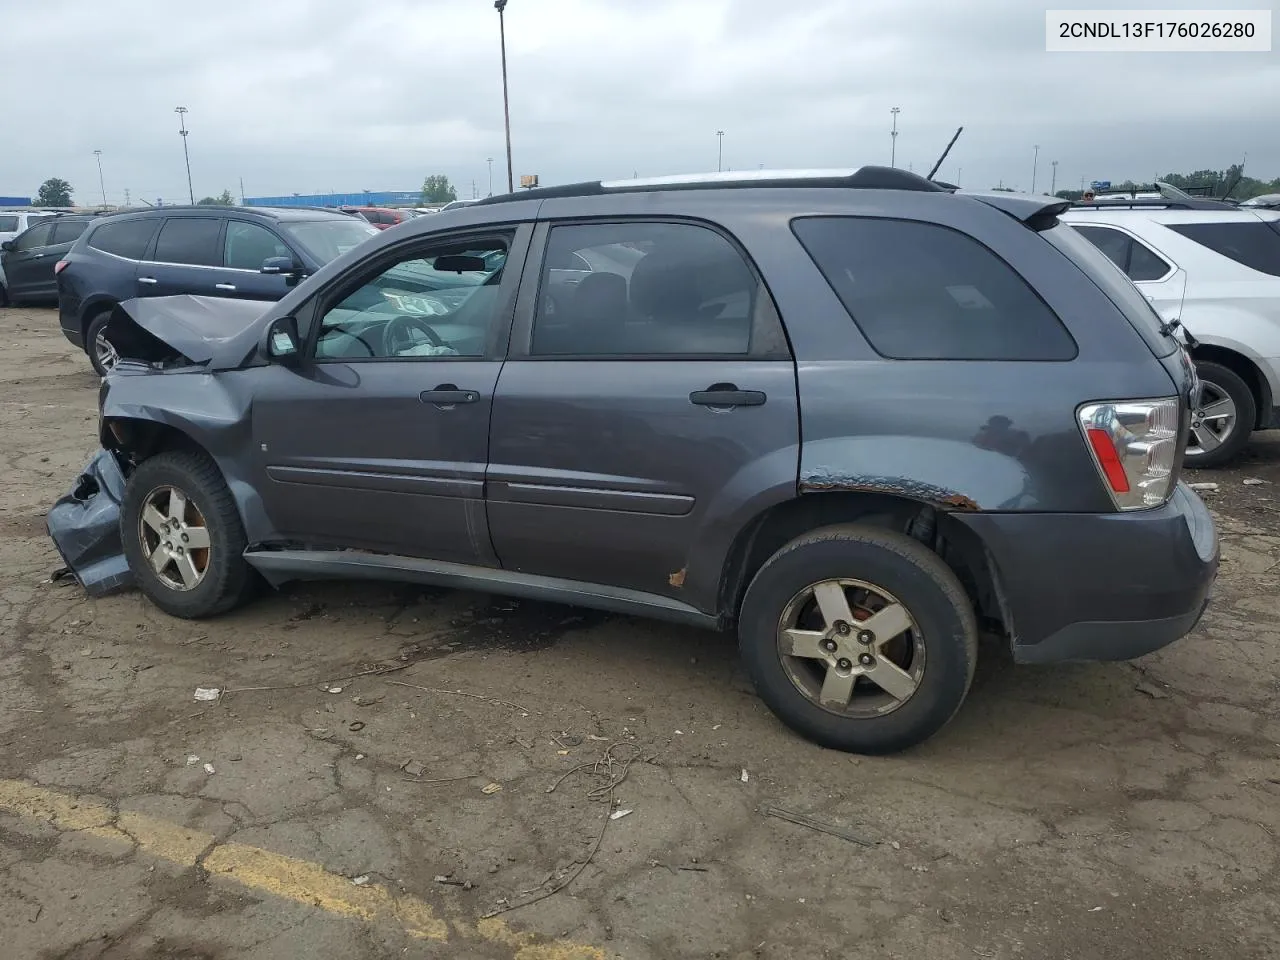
(373,198)
(15,201)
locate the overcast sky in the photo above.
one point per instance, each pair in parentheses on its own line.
(301,96)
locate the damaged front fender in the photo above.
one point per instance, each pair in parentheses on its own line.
(85,527)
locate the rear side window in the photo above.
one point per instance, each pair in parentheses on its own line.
(65,231)
(124,238)
(1137,260)
(920,291)
(190,241)
(1255,244)
(8,224)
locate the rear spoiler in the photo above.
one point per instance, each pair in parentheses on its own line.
(1038,213)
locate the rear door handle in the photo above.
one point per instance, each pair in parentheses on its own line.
(224,286)
(727,395)
(447,394)
(147,280)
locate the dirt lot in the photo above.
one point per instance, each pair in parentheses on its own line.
(1122,810)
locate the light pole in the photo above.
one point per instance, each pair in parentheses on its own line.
(719,150)
(1035,162)
(101,182)
(182,120)
(491,176)
(500,6)
(893,137)
(1053,183)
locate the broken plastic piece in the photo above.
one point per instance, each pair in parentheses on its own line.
(491,788)
(208,693)
(85,527)
(619,814)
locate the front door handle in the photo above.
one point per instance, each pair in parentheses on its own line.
(224,286)
(147,280)
(447,394)
(727,395)
(36,256)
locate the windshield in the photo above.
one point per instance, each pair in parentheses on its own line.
(1112,281)
(328,239)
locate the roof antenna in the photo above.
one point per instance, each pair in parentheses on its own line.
(944,153)
(1236,182)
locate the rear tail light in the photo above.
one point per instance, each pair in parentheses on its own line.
(60,266)
(1135,444)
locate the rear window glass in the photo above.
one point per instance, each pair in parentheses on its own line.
(65,231)
(190,241)
(8,224)
(920,291)
(124,238)
(1255,244)
(1111,281)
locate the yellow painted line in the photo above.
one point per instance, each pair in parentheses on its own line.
(286,877)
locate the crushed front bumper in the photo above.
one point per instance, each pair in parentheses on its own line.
(85,527)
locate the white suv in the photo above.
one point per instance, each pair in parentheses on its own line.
(12,223)
(1216,268)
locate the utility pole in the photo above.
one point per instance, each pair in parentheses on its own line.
(1035,162)
(101,182)
(501,6)
(719,150)
(893,137)
(1053,184)
(491,176)
(182,120)
(242,191)
(126,196)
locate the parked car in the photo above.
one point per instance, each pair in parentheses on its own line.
(1215,268)
(851,414)
(454,204)
(30,260)
(382,217)
(14,222)
(254,253)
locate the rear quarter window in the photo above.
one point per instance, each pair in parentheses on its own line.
(8,224)
(920,291)
(1255,244)
(124,238)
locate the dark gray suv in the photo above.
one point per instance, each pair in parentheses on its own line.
(854,415)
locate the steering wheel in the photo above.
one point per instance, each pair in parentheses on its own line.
(396,334)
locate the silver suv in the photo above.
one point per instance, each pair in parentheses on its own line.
(1216,269)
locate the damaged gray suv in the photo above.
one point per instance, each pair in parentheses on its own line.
(854,415)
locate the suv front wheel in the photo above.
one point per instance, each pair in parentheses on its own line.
(859,638)
(183,536)
(1221,425)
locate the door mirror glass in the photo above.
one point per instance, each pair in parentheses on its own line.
(283,343)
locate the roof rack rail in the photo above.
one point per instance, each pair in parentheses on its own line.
(1151,203)
(866,178)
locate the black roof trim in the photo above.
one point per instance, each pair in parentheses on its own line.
(1153,203)
(865,178)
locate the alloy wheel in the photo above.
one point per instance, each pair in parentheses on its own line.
(106,353)
(851,648)
(174,538)
(1213,421)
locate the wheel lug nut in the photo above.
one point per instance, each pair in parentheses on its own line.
(829,646)
(844,664)
(179,551)
(843,628)
(866,637)
(185,538)
(867,660)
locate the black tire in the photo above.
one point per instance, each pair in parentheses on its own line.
(1229,382)
(96,326)
(227,579)
(921,582)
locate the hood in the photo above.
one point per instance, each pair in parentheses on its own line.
(216,332)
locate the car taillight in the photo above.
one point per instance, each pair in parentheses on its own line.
(1135,444)
(60,266)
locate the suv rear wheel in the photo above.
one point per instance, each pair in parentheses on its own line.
(183,536)
(1221,426)
(102,354)
(858,638)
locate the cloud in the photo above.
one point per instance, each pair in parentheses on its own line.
(310,95)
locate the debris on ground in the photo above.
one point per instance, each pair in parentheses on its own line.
(361,880)
(192,760)
(334,690)
(1253,482)
(1203,487)
(207,693)
(1152,691)
(413,768)
(568,740)
(619,814)
(592,736)
(355,726)
(491,788)
(321,733)
(365,701)
(807,821)
(208,768)
(745,776)
(453,881)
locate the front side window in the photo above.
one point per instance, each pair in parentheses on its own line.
(920,291)
(247,245)
(124,238)
(190,240)
(1253,243)
(37,236)
(644,289)
(327,240)
(443,301)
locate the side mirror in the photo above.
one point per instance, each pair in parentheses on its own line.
(283,344)
(281,265)
(7,245)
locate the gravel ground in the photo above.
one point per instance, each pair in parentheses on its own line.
(1071,812)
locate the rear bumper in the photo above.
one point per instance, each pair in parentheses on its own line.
(69,320)
(1101,586)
